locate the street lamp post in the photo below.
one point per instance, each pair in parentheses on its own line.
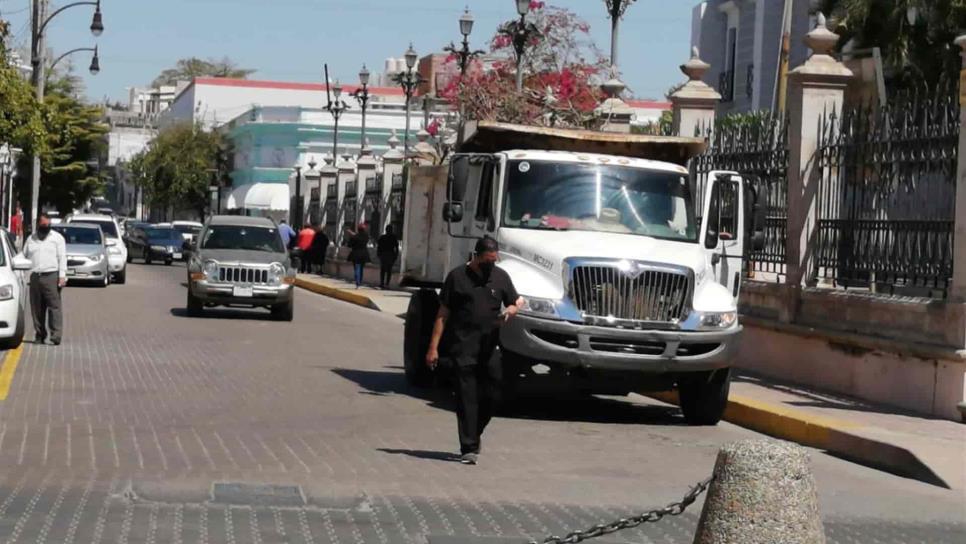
(409,80)
(95,67)
(521,34)
(615,10)
(336,107)
(297,212)
(463,56)
(39,22)
(362,96)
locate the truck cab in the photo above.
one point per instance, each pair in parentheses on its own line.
(630,282)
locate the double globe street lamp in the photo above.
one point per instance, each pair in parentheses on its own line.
(362,96)
(409,81)
(464,56)
(522,32)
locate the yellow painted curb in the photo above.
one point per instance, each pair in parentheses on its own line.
(10,362)
(836,436)
(340,294)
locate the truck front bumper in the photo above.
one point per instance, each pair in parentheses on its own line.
(604,348)
(226,294)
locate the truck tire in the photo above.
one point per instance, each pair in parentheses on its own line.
(704,396)
(420,317)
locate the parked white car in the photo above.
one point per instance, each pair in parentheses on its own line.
(13,293)
(116,249)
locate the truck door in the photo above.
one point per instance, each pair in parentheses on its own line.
(723,227)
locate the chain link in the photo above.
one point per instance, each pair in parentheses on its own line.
(673,509)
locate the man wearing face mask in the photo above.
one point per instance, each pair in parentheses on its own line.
(47,251)
(470,316)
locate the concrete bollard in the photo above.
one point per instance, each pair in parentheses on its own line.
(763,492)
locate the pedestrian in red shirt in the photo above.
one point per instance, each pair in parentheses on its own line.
(16,225)
(304,243)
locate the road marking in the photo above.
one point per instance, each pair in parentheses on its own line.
(10,362)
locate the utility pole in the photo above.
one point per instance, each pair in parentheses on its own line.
(37,78)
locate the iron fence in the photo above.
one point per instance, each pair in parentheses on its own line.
(756,146)
(886,194)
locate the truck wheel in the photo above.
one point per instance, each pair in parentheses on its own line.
(704,396)
(510,366)
(420,317)
(194,306)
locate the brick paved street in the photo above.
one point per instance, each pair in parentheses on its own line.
(119,434)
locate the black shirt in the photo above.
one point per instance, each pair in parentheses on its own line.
(474,304)
(387,246)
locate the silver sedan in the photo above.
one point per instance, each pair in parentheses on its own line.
(86,254)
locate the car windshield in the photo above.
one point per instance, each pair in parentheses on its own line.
(247,238)
(110,230)
(190,229)
(163,234)
(600,198)
(80,235)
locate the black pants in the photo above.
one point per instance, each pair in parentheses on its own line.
(478,394)
(45,305)
(305,262)
(385,270)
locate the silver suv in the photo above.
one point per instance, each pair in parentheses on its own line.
(241,262)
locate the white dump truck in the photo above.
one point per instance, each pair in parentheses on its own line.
(630,282)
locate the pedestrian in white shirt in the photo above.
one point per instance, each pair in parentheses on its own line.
(47,250)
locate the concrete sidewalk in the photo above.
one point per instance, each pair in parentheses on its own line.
(929,450)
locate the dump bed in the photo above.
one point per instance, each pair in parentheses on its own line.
(491,137)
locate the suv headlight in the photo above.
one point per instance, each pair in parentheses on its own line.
(95,258)
(541,307)
(715,321)
(6,292)
(276,271)
(113,250)
(210,269)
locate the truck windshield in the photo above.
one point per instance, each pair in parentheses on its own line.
(598,197)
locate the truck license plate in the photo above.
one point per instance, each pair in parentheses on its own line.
(246,292)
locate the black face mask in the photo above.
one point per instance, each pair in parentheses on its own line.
(43,231)
(487,266)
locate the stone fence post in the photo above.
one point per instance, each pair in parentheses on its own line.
(816,87)
(958,287)
(693,104)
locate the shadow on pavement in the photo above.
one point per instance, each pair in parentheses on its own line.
(226,313)
(423,454)
(528,405)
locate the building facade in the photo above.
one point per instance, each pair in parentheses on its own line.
(742,40)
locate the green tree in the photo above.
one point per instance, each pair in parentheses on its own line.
(190,68)
(915,36)
(74,141)
(176,167)
(21,124)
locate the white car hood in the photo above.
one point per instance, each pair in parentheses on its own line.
(536,257)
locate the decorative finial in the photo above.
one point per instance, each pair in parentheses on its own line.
(695,52)
(695,68)
(821,40)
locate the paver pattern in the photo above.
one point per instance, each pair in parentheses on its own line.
(119,434)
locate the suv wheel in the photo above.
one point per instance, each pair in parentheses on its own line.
(194,306)
(704,396)
(121,277)
(284,312)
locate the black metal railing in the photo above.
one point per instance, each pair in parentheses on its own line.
(756,146)
(886,194)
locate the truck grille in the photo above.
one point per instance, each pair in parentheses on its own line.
(645,294)
(243,274)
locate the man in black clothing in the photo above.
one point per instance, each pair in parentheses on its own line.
(470,315)
(319,250)
(387,249)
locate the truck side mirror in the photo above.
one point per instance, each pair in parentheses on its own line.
(459,173)
(714,217)
(453,212)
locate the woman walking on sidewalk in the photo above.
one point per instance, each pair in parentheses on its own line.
(359,252)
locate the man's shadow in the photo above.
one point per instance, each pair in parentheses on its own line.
(423,454)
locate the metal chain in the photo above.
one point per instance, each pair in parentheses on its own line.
(673,509)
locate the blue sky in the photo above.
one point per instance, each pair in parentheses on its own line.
(290,39)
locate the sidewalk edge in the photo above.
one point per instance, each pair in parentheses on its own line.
(341,294)
(839,438)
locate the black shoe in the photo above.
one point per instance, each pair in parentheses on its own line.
(40,339)
(469,458)
(55,342)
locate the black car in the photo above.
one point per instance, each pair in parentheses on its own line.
(155,243)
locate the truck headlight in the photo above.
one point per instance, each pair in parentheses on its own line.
(715,321)
(6,292)
(542,307)
(275,273)
(210,269)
